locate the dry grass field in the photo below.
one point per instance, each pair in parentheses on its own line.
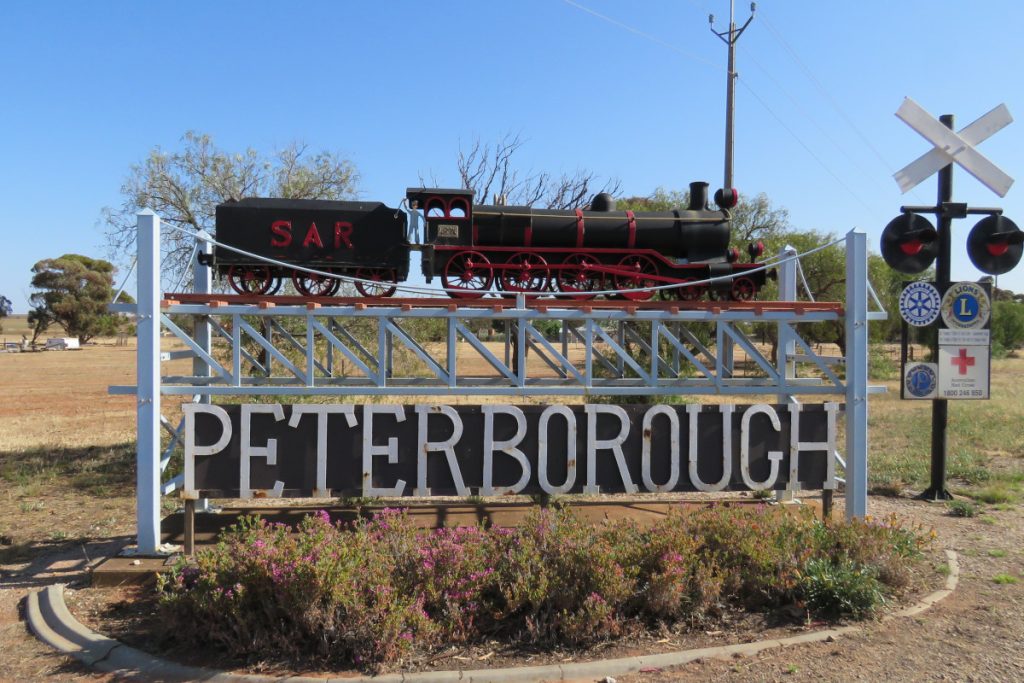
(67,478)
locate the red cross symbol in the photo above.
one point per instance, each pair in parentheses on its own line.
(963,361)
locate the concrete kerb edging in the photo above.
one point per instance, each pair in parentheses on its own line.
(49,619)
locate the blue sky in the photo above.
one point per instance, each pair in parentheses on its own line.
(88,88)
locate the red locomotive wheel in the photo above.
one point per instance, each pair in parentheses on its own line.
(743,289)
(250,279)
(275,287)
(639,267)
(382,282)
(576,275)
(311,284)
(524,272)
(468,275)
(691,292)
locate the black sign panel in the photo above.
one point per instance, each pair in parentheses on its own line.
(423,450)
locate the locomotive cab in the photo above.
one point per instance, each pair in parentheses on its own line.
(448,214)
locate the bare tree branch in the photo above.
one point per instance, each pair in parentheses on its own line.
(490,171)
(185,187)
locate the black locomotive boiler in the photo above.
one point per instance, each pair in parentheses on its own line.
(476,249)
(521,249)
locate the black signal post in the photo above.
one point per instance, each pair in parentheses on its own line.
(945,211)
(940,407)
(910,244)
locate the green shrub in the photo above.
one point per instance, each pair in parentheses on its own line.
(561,581)
(380,591)
(320,592)
(1007,326)
(994,495)
(963,508)
(832,589)
(757,549)
(880,364)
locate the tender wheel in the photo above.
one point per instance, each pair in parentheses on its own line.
(691,292)
(524,272)
(250,279)
(275,287)
(468,275)
(310,284)
(382,282)
(639,269)
(577,276)
(743,289)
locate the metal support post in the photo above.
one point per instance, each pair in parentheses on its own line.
(389,355)
(190,527)
(147,511)
(268,334)
(856,374)
(940,406)
(726,353)
(785,350)
(202,283)
(620,339)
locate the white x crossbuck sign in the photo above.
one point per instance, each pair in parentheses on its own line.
(953,147)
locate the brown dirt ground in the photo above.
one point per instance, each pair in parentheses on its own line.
(51,531)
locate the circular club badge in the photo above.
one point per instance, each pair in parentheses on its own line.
(965,306)
(920,303)
(920,380)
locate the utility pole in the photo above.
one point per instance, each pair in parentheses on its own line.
(729,38)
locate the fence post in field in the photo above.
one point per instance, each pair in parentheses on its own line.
(147,512)
(856,374)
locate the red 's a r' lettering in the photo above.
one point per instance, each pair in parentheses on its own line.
(342,233)
(313,237)
(282,233)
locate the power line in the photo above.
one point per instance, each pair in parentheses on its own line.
(820,87)
(807,114)
(761,100)
(640,33)
(807,148)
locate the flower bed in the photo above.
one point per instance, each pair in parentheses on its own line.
(379,591)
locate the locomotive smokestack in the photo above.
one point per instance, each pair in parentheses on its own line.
(698,196)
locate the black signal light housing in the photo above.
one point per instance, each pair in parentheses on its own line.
(910,243)
(995,245)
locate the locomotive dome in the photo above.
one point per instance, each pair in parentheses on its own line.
(602,201)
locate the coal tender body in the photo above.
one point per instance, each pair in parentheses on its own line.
(365,240)
(517,249)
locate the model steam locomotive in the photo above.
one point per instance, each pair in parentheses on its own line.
(474,248)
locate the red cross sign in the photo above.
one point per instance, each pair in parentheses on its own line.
(963,371)
(963,361)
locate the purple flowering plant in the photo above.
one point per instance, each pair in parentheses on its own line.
(380,591)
